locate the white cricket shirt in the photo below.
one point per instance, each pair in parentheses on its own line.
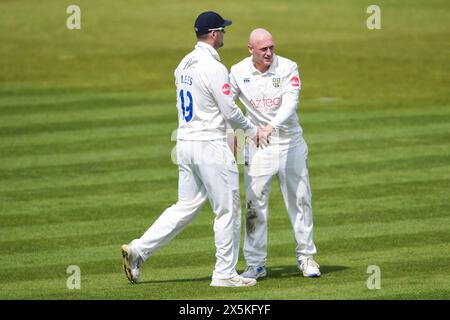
(204,98)
(270,97)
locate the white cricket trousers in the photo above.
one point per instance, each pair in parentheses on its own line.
(207,170)
(289,163)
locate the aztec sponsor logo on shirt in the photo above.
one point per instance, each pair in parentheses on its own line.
(295,81)
(266,103)
(226,89)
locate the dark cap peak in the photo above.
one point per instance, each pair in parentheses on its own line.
(209,20)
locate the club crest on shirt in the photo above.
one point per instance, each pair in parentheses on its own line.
(226,89)
(246,80)
(276,82)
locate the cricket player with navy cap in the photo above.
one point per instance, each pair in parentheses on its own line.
(207,168)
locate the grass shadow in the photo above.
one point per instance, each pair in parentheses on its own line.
(176,280)
(272,272)
(293,271)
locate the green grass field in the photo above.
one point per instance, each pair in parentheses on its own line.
(86,118)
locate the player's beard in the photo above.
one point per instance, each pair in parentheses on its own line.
(218,40)
(218,43)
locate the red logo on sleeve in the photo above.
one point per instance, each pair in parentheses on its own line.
(226,89)
(295,81)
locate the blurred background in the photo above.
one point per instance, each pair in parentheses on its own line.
(86,124)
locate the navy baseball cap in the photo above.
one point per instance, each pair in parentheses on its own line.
(209,21)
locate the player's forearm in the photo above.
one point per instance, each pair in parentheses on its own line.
(286,110)
(235,118)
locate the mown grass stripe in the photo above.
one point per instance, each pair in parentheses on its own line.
(107,143)
(384,122)
(283,265)
(334,177)
(391,269)
(85,228)
(368,163)
(119,236)
(375,133)
(99,145)
(368,190)
(27,99)
(380,190)
(91,134)
(83,125)
(41,206)
(40,109)
(341,245)
(31,181)
(393,151)
(66,113)
(321,202)
(161,147)
(325,215)
(288,289)
(66,116)
(198,277)
(155,127)
(92,253)
(133,154)
(316,116)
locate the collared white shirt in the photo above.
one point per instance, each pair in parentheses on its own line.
(204,98)
(270,97)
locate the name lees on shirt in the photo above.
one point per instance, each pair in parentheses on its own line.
(186,79)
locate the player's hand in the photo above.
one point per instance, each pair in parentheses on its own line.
(269,130)
(262,136)
(232,143)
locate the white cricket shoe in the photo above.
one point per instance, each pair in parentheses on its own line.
(254,272)
(309,267)
(132,261)
(237,281)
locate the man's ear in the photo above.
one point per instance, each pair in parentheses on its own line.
(250,49)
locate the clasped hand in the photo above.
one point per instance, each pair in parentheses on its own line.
(262,136)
